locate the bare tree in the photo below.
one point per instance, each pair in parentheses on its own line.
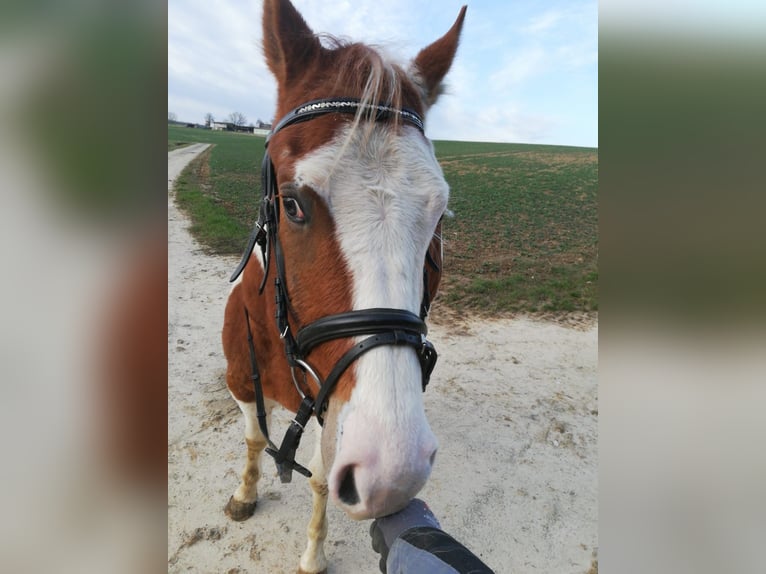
(209,119)
(172,117)
(237,118)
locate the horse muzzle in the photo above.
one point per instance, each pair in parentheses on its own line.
(376,469)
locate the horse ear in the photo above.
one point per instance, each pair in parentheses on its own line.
(288,43)
(434,61)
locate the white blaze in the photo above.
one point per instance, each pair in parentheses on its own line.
(385,193)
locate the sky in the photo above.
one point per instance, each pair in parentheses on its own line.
(526,71)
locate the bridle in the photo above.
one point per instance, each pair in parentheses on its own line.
(382,326)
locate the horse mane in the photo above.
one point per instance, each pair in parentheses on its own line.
(370,74)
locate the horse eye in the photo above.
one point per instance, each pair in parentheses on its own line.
(293,210)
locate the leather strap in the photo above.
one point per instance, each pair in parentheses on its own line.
(356,323)
(285,456)
(260,233)
(257,230)
(386,338)
(255,377)
(316,108)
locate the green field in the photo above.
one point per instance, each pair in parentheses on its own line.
(524,236)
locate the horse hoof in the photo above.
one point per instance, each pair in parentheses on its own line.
(239,511)
(302,571)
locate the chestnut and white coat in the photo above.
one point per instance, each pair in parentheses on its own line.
(361,204)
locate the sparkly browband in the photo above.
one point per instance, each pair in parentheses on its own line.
(315,108)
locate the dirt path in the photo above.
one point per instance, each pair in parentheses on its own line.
(512,402)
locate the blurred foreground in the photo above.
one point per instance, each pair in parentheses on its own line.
(682,269)
(682,280)
(83,301)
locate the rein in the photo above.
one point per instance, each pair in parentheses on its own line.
(383,326)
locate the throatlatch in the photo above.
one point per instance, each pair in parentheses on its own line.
(384,326)
(284,456)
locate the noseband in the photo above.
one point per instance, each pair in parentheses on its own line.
(382,326)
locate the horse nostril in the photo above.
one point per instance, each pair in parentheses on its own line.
(433,457)
(347,490)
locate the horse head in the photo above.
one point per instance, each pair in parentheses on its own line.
(357,204)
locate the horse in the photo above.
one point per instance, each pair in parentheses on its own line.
(326,317)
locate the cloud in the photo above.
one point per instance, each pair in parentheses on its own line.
(544,21)
(519,68)
(215,61)
(498,123)
(462,113)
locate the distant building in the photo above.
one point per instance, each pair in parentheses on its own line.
(260,128)
(230,127)
(186,124)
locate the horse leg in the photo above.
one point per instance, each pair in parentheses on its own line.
(313,560)
(241,505)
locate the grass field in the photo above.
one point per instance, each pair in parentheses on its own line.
(524,236)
